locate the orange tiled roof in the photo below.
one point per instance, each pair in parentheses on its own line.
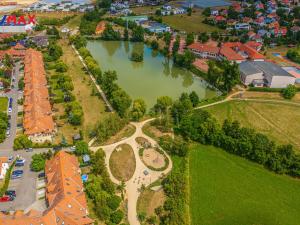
(64,192)
(238,46)
(204,48)
(37,108)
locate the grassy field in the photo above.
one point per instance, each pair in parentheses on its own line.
(269,95)
(74,22)
(278,121)
(3,104)
(122,162)
(195,25)
(228,190)
(93,106)
(149,200)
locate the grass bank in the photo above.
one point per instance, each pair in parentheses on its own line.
(228,190)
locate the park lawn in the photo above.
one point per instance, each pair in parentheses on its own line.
(93,106)
(149,200)
(122,162)
(228,190)
(276,120)
(3,104)
(126,132)
(56,15)
(195,25)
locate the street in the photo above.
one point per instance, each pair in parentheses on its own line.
(9,141)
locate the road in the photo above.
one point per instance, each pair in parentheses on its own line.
(138,179)
(8,143)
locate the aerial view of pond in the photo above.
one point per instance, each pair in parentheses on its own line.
(155,76)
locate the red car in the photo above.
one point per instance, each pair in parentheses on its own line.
(6,198)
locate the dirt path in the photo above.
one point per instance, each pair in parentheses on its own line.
(138,179)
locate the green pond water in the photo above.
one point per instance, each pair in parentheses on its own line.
(155,76)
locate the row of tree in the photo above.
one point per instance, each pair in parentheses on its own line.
(200,126)
(3,126)
(102,191)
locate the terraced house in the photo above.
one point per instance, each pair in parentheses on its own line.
(38,122)
(64,193)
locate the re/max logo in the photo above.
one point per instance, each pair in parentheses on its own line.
(12,20)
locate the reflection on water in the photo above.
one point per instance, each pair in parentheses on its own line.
(155,76)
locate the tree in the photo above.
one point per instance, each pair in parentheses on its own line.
(38,161)
(117,216)
(121,101)
(154,45)
(138,109)
(60,66)
(137,57)
(81,148)
(189,39)
(107,83)
(203,37)
(137,34)
(110,34)
(158,12)
(189,11)
(162,104)
(74,112)
(206,12)
(22,142)
(289,92)
(113,202)
(194,98)
(126,35)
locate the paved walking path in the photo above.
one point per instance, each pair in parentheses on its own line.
(139,178)
(94,81)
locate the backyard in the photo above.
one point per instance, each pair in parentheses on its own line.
(228,190)
(276,120)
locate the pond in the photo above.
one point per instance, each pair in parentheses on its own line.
(155,76)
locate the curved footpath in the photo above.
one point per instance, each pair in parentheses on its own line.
(139,178)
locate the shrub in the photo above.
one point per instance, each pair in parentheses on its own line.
(289,92)
(113,202)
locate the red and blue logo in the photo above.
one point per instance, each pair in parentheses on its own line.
(12,20)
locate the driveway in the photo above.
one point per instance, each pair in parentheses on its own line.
(139,178)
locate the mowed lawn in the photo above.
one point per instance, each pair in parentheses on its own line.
(228,190)
(3,104)
(190,24)
(276,120)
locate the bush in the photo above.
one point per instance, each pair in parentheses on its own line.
(81,148)
(7,179)
(136,57)
(113,202)
(289,92)
(22,142)
(117,216)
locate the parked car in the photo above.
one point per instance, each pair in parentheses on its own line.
(6,198)
(16,176)
(19,164)
(57,148)
(7,133)
(41,175)
(73,148)
(18,172)
(10,159)
(20,161)
(29,149)
(11,193)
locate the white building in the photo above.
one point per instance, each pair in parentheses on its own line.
(265,74)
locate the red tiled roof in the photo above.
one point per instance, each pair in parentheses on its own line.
(204,48)
(65,195)
(37,108)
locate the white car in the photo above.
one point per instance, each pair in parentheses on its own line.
(7,133)
(9,110)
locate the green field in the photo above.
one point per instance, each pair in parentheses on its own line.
(276,120)
(3,104)
(228,190)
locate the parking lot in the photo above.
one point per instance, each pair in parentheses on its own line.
(28,188)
